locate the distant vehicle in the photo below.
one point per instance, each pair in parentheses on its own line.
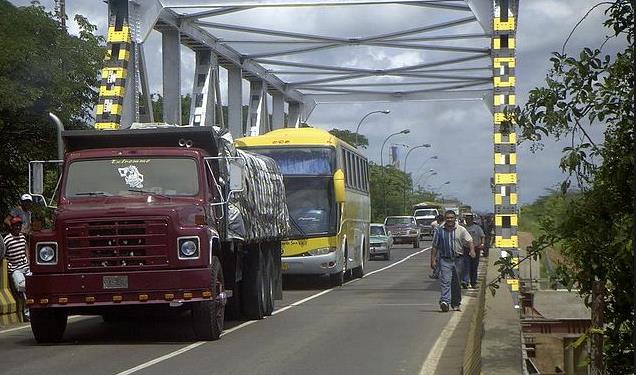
(380,241)
(327,187)
(424,217)
(404,229)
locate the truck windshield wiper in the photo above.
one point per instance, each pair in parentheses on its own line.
(149,192)
(93,193)
(300,230)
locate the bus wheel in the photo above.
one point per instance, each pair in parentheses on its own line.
(48,325)
(208,316)
(253,288)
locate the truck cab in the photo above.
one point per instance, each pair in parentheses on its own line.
(144,220)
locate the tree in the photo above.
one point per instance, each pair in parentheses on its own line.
(42,69)
(352,138)
(595,234)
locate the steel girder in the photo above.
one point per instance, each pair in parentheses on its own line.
(192,21)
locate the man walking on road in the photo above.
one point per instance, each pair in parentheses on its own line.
(471,263)
(447,246)
(23,211)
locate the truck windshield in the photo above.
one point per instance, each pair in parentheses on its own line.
(425,213)
(311,205)
(130,176)
(398,221)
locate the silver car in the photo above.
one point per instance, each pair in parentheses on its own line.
(380,242)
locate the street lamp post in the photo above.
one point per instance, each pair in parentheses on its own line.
(405,131)
(434,157)
(432,172)
(386,112)
(405,175)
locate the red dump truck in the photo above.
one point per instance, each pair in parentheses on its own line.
(152,218)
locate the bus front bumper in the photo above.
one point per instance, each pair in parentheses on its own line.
(311,265)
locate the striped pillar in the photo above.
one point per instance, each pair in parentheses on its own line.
(8,307)
(112,89)
(505,136)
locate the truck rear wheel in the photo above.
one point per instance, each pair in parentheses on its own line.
(208,316)
(269,284)
(48,325)
(253,288)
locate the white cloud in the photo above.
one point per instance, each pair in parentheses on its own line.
(460,132)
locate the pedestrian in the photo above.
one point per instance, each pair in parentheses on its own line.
(23,211)
(448,245)
(471,263)
(16,252)
(439,219)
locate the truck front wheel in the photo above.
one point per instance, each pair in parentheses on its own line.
(48,325)
(208,316)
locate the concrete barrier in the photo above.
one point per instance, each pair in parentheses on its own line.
(472,352)
(8,306)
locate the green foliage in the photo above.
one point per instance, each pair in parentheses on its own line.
(593,230)
(352,138)
(390,190)
(42,69)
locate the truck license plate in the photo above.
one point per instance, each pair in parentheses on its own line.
(115,282)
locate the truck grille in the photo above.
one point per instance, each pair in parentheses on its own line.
(117,244)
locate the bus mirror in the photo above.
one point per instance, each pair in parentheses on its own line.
(339,185)
(37,178)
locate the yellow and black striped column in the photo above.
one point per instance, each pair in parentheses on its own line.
(112,87)
(505,136)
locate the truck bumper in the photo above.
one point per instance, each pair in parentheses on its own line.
(118,288)
(311,265)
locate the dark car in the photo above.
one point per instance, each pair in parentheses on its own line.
(404,229)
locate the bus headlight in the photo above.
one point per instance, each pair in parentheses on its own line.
(46,253)
(188,247)
(322,251)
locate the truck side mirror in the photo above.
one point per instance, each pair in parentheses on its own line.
(339,185)
(36,177)
(237,171)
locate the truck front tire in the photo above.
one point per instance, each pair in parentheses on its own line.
(208,316)
(48,325)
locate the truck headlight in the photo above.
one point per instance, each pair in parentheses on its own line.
(46,253)
(188,247)
(412,231)
(322,251)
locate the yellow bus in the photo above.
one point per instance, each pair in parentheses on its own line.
(327,188)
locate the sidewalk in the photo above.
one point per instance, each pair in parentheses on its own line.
(501,342)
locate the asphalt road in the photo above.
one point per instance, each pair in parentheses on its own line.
(386,323)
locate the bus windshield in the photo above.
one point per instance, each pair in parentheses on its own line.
(172,176)
(311,205)
(306,161)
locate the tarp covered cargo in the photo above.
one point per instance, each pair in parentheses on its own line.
(260,210)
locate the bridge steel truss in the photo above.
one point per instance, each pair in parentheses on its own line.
(481,66)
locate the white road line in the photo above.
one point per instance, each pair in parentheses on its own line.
(297,303)
(72,317)
(432,359)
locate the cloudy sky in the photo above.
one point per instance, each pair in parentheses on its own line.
(460,132)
